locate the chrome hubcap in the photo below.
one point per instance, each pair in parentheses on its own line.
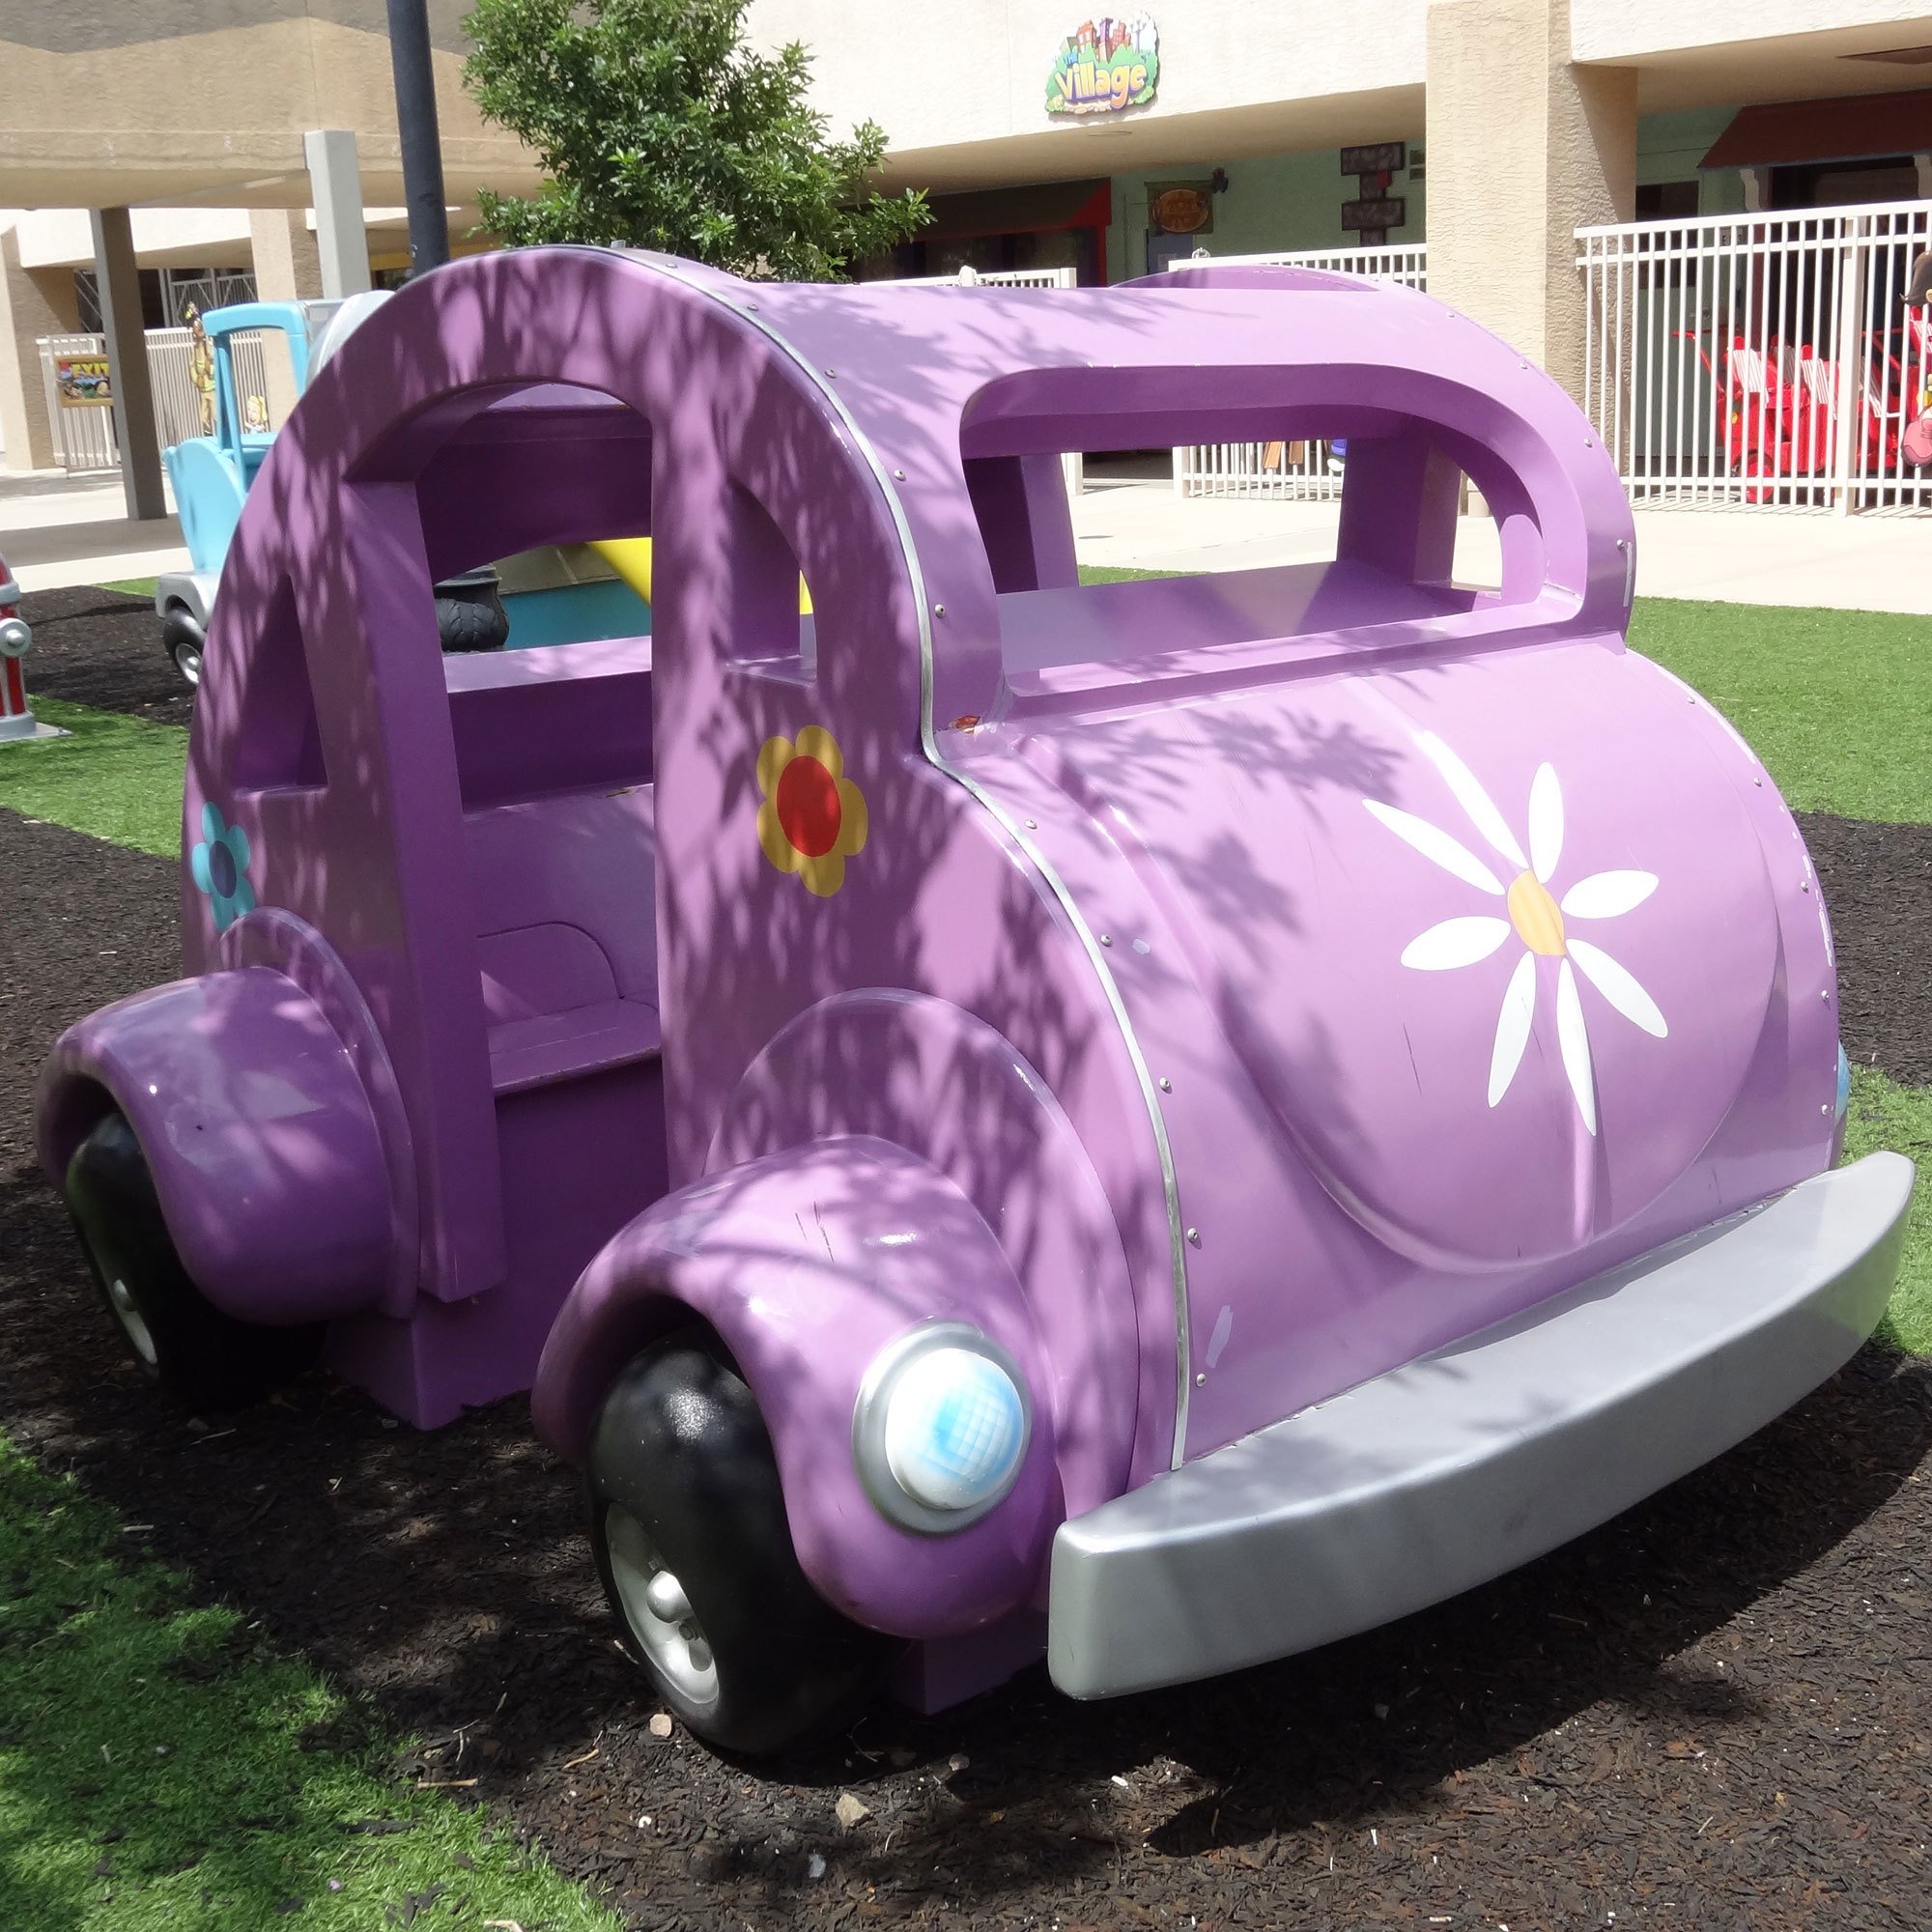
(128,1312)
(659,1613)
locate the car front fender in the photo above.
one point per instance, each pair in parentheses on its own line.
(807,1263)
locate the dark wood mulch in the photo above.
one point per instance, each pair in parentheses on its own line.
(1878,888)
(102,648)
(1716,1711)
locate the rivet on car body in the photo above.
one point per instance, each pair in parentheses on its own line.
(1201,1382)
(939,609)
(898,475)
(1194,1236)
(1106,939)
(1166,1085)
(1032,825)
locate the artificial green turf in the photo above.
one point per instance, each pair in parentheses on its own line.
(1885,1115)
(134,587)
(1115,572)
(118,778)
(1837,703)
(160,1767)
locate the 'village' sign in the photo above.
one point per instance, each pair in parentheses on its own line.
(1108,66)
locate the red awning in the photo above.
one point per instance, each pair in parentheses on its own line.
(1855,128)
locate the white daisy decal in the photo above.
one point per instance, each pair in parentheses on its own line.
(1534,915)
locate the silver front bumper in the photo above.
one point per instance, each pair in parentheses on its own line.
(1454,1468)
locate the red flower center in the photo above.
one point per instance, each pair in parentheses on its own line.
(808,804)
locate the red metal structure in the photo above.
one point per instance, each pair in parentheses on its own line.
(16,721)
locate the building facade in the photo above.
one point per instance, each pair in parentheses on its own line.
(1047,135)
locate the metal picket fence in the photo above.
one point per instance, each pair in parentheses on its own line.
(1310,470)
(1761,359)
(84,437)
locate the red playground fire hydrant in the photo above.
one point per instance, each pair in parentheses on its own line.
(16,721)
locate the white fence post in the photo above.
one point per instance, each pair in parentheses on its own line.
(1847,426)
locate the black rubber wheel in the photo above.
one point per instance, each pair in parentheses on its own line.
(689,1527)
(181,636)
(181,1340)
(470,613)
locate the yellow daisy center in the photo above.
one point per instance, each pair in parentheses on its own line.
(1535,914)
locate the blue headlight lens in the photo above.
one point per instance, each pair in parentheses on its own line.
(1844,1097)
(956,1429)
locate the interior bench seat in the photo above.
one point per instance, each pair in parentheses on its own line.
(548,1047)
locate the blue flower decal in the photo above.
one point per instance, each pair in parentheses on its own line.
(220,867)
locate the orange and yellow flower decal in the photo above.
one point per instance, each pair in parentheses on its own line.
(813,817)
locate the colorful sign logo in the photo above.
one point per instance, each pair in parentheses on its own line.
(1106,67)
(81,381)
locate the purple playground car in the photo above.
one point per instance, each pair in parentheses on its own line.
(1155,1124)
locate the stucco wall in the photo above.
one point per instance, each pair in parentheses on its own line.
(985,81)
(1272,202)
(1628,29)
(1509,189)
(209,99)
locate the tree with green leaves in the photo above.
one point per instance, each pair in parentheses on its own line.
(659,125)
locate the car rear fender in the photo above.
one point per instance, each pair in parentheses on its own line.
(264,1149)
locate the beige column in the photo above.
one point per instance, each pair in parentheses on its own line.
(117,281)
(288,267)
(33,302)
(1524,148)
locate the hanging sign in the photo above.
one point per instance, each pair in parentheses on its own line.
(1185,210)
(1383,212)
(1105,67)
(80,381)
(1381,157)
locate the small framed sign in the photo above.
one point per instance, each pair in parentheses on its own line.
(1379,157)
(82,383)
(1180,208)
(1390,211)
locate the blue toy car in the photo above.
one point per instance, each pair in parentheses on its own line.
(540,597)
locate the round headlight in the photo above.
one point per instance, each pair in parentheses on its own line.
(941,1427)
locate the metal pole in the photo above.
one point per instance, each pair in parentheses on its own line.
(422,148)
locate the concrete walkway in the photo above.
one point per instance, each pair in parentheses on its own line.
(56,531)
(73,531)
(1742,556)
